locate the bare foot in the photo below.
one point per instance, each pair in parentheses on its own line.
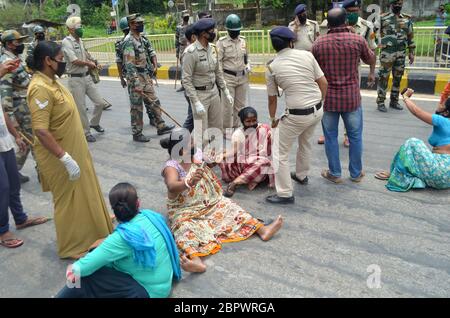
(194,265)
(268,231)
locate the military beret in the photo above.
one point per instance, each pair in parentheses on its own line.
(351,3)
(73,22)
(135,18)
(11,35)
(283,32)
(300,9)
(204,24)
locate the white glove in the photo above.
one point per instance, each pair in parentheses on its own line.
(229,97)
(248,68)
(199,108)
(71,166)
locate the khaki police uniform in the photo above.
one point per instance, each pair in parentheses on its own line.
(306,34)
(201,72)
(296,72)
(81,84)
(233,55)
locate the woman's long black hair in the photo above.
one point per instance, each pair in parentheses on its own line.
(44,48)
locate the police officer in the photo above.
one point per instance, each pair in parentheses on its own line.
(306,31)
(397,35)
(39,35)
(233,60)
(140,63)
(79,62)
(13,91)
(201,72)
(303,82)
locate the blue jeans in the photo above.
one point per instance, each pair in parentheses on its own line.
(9,191)
(353,122)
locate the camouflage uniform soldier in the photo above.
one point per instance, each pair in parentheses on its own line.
(39,35)
(138,55)
(396,35)
(13,90)
(123,24)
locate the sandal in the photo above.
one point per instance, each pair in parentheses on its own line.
(326,174)
(32,222)
(7,243)
(358,179)
(382,175)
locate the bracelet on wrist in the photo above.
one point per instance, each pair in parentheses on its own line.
(186,182)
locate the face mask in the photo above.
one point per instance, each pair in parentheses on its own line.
(302,18)
(19,49)
(79,32)
(253,126)
(186,19)
(40,37)
(234,34)
(61,68)
(140,28)
(396,9)
(352,18)
(211,36)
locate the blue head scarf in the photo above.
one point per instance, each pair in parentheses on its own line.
(144,252)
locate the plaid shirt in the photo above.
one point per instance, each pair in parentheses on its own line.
(339,53)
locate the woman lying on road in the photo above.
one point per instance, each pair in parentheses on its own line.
(139,260)
(200,217)
(415,165)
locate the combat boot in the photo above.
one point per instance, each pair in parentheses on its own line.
(395,105)
(382,108)
(165,129)
(140,138)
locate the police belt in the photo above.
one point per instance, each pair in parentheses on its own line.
(234,73)
(204,88)
(78,75)
(304,112)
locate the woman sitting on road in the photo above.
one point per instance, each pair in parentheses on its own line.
(200,217)
(138,260)
(250,154)
(415,165)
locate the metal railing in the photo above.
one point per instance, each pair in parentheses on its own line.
(432,51)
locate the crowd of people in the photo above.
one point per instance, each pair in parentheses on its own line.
(141,256)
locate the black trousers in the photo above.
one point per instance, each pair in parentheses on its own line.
(105,283)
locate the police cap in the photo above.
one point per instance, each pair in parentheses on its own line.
(283,32)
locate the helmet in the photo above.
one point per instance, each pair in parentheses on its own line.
(38,29)
(233,23)
(123,24)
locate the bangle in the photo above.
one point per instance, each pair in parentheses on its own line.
(187,183)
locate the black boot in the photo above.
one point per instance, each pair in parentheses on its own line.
(23,179)
(395,105)
(165,129)
(140,138)
(382,108)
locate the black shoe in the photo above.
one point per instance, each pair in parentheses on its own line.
(164,142)
(166,129)
(90,138)
(275,199)
(294,177)
(181,89)
(23,179)
(98,129)
(140,138)
(396,106)
(382,108)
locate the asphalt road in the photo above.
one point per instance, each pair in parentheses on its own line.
(335,238)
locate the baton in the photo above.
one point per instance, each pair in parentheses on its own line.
(26,139)
(162,110)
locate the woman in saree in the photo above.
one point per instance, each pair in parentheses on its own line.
(200,217)
(63,157)
(415,166)
(249,159)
